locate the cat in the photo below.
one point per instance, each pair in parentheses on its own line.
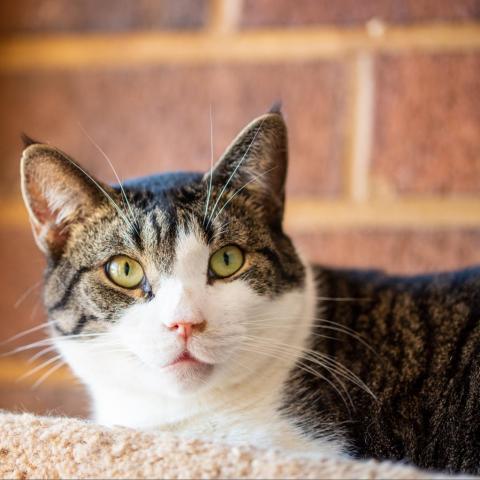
(182,305)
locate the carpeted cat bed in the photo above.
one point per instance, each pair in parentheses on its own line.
(39,447)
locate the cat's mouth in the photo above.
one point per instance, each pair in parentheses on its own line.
(184,357)
(188,360)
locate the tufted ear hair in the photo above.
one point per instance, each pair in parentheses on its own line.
(57,193)
(255,163)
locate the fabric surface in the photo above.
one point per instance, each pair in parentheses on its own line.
(41,447)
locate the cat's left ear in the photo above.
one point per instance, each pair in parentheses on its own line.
(255,164)
(58,193)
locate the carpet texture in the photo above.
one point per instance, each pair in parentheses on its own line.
(40,447)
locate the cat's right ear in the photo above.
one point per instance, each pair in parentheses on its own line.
(57,193)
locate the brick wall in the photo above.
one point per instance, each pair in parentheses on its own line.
(382,98)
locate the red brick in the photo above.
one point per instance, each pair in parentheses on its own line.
(262,13)
(153,119)
(399,251)
(68,400)
(427,123)
(20,286)
(29,16)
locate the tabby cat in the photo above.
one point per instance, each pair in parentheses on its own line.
(181,303)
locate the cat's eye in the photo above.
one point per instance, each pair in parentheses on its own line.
(124,271)
(226,261)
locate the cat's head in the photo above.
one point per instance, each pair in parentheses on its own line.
(173,282)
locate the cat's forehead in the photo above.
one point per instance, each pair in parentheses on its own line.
(167,191)
(153,216)
(162,184)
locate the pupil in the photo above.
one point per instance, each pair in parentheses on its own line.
(127,268)
(226,258)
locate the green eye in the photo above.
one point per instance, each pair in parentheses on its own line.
(124,271)
(226,261)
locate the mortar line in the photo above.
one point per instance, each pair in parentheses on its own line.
(362,128)
(224,16)
(147,48)
(313,213)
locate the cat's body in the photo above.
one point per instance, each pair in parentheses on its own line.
(423,366)
(229,334)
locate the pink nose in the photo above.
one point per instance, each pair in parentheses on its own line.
(185,329)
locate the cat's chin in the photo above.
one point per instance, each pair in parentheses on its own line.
(186,376)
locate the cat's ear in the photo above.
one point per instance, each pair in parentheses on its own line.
(57,193)
(256,162)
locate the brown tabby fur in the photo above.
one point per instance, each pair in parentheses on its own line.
(422,364)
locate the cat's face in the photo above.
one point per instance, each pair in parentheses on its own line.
(178,282)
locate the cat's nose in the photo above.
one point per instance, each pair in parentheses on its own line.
(186,329)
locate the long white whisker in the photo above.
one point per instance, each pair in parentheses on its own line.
(289,327)
(239,190)
(272,353)
(49,341)
(210,174)
(39,367)
(47,374)
(319,323)
(26,294)
(345,330)
(41,353)
(313,355)
(23,348)
(34,311)
(235,171)
(102,152)
(301,363)
(26,332)
(107,195)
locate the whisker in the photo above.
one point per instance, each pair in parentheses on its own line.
(34,311)
(47,374)
(307,368)
(313,356)
(235,171)
(25,332)
(41,353)
(302,366)
(23,348)
(210,174)
(49,341)
(330,325)
(239,190)
(39,367)
(102,152)
(25,294)
(318,323)
(107,195)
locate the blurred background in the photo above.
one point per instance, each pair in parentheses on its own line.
(382,99)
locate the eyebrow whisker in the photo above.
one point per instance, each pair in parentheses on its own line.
(210,173)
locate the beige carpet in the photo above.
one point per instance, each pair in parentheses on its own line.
(39,447)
